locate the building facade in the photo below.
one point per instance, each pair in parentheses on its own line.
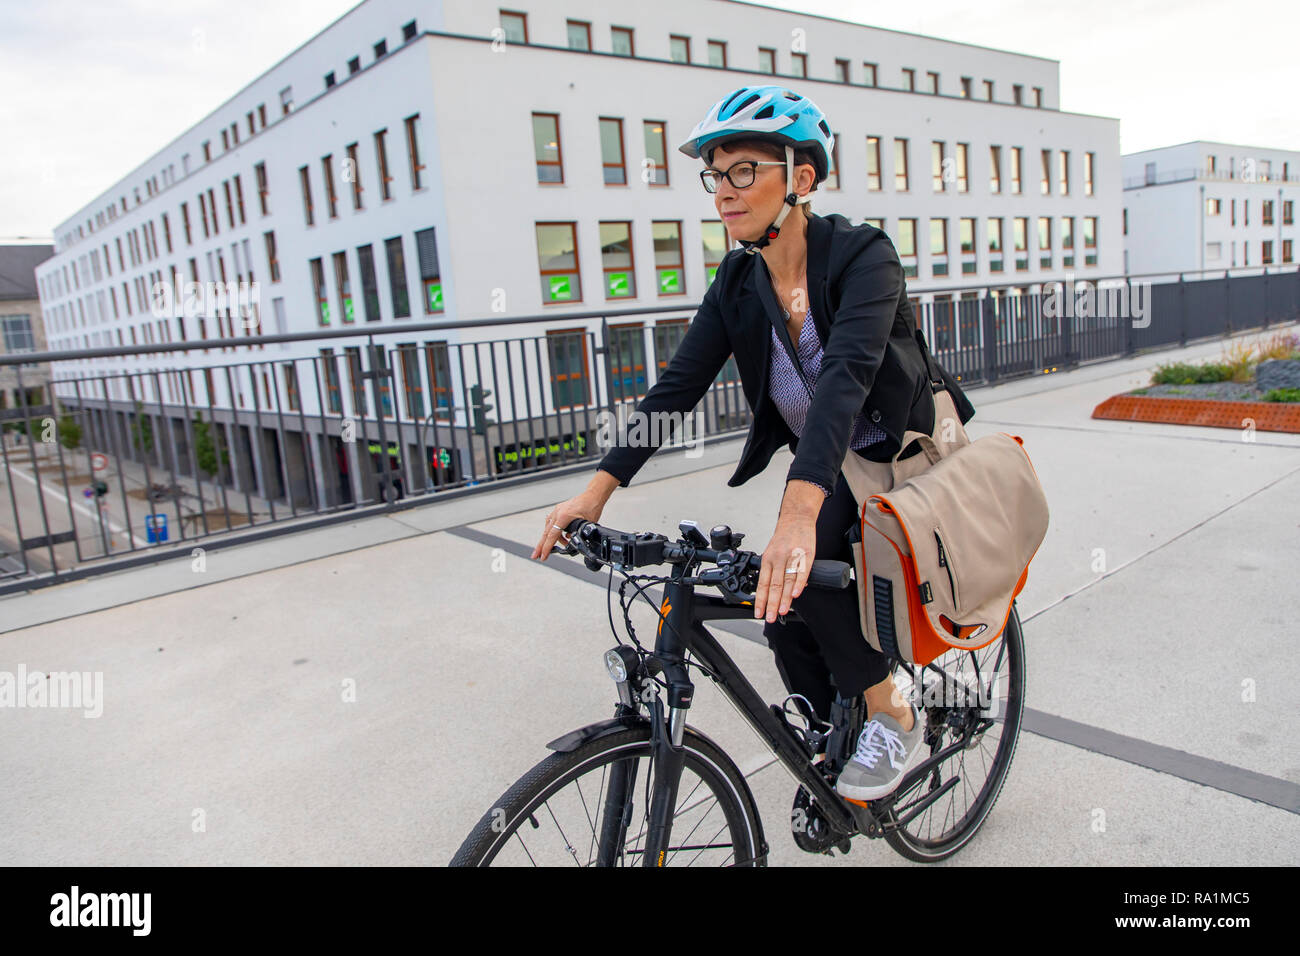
(22,329)
(1206,206)
(452,161)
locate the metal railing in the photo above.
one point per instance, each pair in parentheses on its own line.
(122,467)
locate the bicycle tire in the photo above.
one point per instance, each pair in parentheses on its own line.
(932,851)
(536,787)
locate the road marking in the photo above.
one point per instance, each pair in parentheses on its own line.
(113,525)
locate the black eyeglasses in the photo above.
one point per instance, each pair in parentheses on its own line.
(741,174)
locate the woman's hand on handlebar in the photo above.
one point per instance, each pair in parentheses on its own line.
(793,546)
(587,505)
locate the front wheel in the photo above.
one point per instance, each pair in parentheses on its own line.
(589,807)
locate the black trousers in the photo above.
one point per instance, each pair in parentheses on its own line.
(825,651)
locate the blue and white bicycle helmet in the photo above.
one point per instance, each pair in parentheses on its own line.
(771,113)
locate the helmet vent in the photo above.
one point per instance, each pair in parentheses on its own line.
(752,98)
(793,96)
(824,128)
(765,113)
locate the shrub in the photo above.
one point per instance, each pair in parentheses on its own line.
(1282,395)
(1184,373)
(1280,345)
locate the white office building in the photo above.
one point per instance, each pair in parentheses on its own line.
(1204,206)
(450,161)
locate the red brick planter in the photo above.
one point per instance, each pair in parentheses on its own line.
(1267,416)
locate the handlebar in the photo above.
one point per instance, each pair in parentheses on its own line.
(600,545)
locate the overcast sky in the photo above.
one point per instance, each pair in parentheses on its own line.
(89,89)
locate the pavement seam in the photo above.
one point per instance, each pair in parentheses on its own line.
(1205,771)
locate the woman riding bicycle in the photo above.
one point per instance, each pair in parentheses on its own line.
(838,292)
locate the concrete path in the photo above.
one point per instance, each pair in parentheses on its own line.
(361,694)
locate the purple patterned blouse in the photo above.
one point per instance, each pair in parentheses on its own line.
(788,393)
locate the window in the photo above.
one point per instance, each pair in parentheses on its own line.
(799,64)
(354,65)
(963,183)
(397,277)
(352,174)
(718,54)
(900,165)
(515,26)
(933,79)
(909,79)
(1245,212)
(207,157)
(1087,173)
(1017,94)
(225,145)
(679,49)
(381,157)
(1213,207)
(1063,171)
(966,236)
(262,189)
(413,150)
(1021,226)
(627,360)
(1045,186)
(1266,252)
(381,49)
(1067,241)
(842,71)
(344,285)
(1126,220)
(408,33)
(567,351)
(833,173)
(319,293)
(329,81)
(936,164)
(286,101)
(557,262)
(1045,241)
(579,35)
(167,232)
(621,41)
(1288,212)
(426,250)
(272,260)
(668,335)
(369,285)
(1266,214)
(668,257)
(988,90)
(1017,153)
(304,177)
(714,238)
(612,161)
(616,260)
(230,206)
(1286,250)
(766,60)
(656,151)
(331,197)
(869,79)
(1090,240)
(906,245)
(439,366)
(995,245)
(873,163)
(939,247)
(546,147)
(18,335)
(965,87)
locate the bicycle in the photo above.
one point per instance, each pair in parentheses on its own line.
(649,726)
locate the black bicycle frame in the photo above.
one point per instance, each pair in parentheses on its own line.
(681,631)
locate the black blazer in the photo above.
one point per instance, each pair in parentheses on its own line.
(873,362)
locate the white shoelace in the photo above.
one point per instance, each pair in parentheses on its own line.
(868,751)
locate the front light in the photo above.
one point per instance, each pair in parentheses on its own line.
(615,665)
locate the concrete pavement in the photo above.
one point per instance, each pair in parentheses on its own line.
(362,693)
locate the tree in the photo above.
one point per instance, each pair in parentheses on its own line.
(205,447)
(69,432)
(142,430)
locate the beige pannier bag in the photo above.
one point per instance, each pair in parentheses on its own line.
(945,539)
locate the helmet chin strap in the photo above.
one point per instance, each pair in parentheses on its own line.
(791,200)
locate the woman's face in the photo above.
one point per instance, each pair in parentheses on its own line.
(747,212)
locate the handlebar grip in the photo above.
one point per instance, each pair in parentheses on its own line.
(825,573)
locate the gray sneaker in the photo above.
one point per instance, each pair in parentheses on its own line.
(867,776)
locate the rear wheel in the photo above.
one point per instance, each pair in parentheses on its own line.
(588,807)
(977,693)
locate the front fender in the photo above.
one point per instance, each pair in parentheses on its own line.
(576,738)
